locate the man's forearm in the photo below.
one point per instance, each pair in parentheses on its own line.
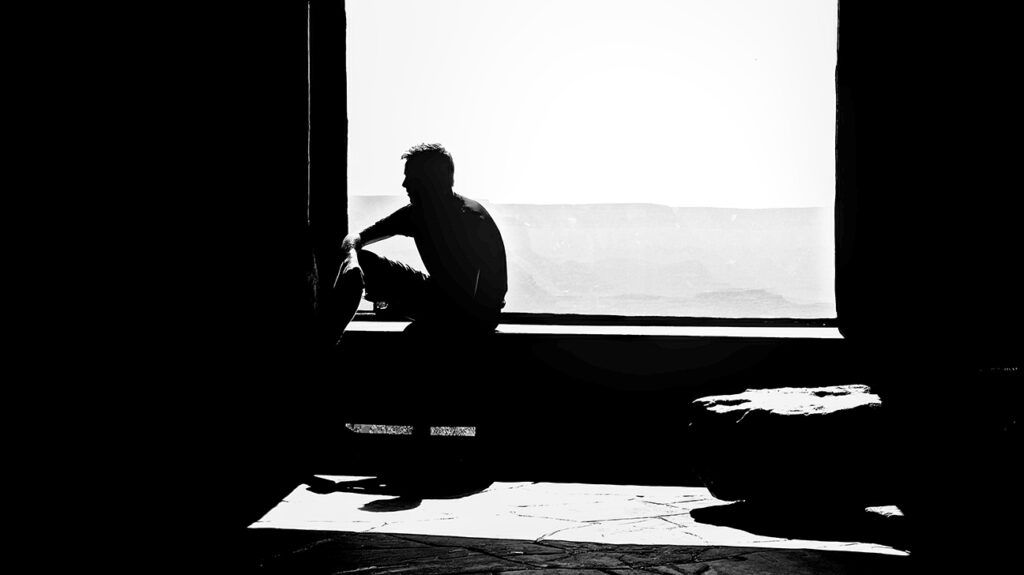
(363,238)
(396,223)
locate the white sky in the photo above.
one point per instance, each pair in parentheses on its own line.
(726,103)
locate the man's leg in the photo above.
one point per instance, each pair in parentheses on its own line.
(347,290)
(406,292)
(402,288)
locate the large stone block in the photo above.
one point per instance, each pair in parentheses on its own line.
(794,446)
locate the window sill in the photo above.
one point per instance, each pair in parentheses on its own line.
(362,325)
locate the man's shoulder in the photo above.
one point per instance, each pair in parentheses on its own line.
(470,206)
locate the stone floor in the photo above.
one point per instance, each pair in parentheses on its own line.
(380,553)
(349,524)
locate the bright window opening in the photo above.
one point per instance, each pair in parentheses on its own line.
(642,158)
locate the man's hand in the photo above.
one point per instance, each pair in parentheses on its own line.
(351,242)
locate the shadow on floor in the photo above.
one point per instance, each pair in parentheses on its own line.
(821,523)
(293,552)
(405,491)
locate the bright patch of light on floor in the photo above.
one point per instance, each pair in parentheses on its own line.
(795,400)
(616,514)
(885,510)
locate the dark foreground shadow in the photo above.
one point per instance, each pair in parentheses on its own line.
(821,523)
(405,491)
(293,551)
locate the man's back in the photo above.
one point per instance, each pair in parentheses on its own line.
(461,248)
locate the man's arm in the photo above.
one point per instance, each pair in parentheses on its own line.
(393,225)
(363,238)
(398,223)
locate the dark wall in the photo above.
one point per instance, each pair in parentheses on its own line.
(926,219)
(573,408)
(328,202)
(231,380)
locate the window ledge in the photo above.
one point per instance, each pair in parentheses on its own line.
(748,332)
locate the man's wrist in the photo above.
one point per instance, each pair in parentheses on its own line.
(352,241)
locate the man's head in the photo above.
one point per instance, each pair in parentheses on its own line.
(429,172)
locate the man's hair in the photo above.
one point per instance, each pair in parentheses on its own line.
(431,151)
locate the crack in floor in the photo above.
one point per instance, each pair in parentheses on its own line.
(584,522)
(547,535)
(656,503)
(691,534)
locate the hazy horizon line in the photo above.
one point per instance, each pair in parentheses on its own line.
(555,204)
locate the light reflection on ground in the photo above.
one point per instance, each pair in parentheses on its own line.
(616,514)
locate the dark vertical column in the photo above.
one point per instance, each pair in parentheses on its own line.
(846,208)
(328,137)
(232,379)
(926,229)
(925,223)
(875,154)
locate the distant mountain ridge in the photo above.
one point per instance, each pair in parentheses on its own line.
(599,215)
(650,259)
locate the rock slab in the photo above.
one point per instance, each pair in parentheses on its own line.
(793,446)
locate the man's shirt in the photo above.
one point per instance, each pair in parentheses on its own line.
(460,246)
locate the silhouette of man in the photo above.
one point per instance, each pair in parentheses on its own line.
(464,288)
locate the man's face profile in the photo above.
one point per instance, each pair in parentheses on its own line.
(411,183)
